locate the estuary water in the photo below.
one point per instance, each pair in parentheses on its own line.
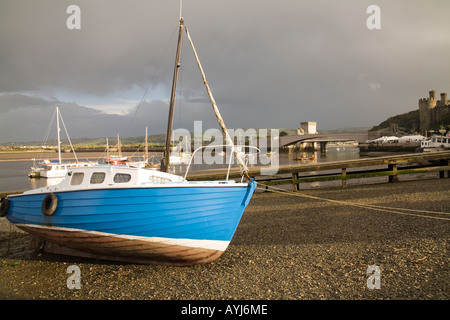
(15,166)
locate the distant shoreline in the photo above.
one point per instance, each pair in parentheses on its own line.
(51,155)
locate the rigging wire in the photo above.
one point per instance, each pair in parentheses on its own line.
(47,133)
(153,77)
(67,134)
(372,207)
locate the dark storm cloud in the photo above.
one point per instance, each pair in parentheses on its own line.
(269,63)
(33,116)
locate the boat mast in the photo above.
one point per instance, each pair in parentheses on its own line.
(119,147)
(146,145)
(165,161)
(107,148)
(57,129)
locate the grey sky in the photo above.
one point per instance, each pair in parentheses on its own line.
(269,63)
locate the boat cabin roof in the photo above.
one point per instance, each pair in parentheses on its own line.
(109,176)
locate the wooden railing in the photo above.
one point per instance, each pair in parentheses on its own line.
(387,166)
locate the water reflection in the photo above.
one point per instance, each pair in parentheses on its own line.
(292,158)
(13,174)
(43,182)
(332,154)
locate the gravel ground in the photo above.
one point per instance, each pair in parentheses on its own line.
(286,247)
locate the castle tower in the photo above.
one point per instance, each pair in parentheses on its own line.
(425,107)
(432,94)
(443,101)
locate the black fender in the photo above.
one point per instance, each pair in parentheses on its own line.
(49,204)
(4,207)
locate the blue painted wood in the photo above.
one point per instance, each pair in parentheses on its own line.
(189,212)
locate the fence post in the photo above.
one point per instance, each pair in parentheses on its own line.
(442,173)
(295,185)
(393,168)
(344,180)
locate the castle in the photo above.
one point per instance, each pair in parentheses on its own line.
(432,111)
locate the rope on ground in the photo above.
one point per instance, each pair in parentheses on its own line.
(367,206)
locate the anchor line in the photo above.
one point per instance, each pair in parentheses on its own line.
(367,206)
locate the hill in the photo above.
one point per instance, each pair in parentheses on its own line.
(157,139)
(408,122)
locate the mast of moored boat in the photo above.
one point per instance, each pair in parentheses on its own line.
(119,147)
(146,146)
(165,161)
(107,148)
(58,134)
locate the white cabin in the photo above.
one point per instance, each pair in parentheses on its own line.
(106,176)
(436,143)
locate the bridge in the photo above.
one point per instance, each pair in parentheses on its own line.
(360,137)
(313,140)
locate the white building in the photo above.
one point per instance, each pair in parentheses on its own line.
(307,127)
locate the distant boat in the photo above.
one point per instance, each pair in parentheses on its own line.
(435,143)
(180,158)
(36,170)
(57,168)
(120,159)
(115,159)
(305,157)
(133,214)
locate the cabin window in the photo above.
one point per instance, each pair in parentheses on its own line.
(77,178)
(97,177)
(122,177)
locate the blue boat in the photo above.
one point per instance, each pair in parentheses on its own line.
(135,215)
(132,214)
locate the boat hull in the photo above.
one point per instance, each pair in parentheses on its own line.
(142,250)
(181,225)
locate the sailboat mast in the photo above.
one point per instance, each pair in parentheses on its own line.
(58,134)
(107,148)
(165,161)
(146,145)
(119,147)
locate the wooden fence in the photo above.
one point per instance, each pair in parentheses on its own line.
(386,166)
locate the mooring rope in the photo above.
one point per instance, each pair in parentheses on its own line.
(367,206)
